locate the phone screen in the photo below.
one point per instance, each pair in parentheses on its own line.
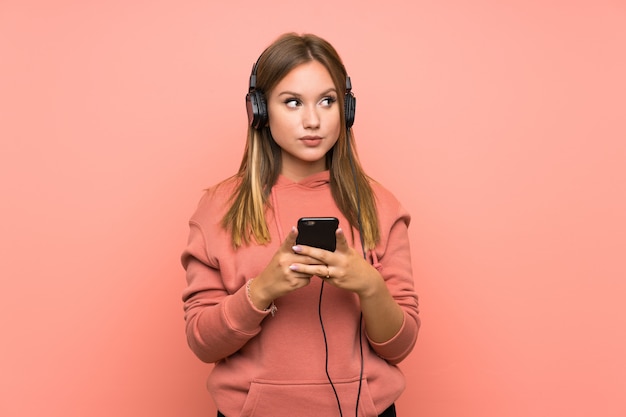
(318,232)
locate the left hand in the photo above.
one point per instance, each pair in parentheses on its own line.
(346,268)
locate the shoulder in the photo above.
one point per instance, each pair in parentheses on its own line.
(214,202)
(389,208)
(385,199)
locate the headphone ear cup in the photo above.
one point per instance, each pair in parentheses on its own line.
(256,109)
(350,109)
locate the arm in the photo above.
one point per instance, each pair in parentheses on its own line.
(383,317)
(218,322)
(395,267)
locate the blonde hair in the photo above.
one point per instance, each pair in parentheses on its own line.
(261,162)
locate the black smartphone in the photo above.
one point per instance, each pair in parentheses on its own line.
(318,232)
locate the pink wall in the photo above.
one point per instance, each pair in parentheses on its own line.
(500,125)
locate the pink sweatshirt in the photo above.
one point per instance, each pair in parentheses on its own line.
(274,366)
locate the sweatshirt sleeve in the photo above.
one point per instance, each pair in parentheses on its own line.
(392,258)
(218,322)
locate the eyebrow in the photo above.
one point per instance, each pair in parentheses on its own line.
(291,93)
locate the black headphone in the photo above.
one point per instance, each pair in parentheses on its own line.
(257,107)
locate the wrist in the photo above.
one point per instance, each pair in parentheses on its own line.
(376,288)
(256,298)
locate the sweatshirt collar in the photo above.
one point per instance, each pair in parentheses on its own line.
(318,180)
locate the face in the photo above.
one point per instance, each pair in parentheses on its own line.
(304,119)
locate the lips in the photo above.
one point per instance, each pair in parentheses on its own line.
(311,140)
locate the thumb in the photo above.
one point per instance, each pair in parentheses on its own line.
(342,242)
(290,240)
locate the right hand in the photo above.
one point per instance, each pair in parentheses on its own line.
(277,279)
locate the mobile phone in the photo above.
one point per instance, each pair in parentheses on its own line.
(318,232)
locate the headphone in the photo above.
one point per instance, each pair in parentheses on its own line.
(256,105)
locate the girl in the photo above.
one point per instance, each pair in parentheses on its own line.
(295,330)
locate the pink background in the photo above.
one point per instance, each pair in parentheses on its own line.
(499,124)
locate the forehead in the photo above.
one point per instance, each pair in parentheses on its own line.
(309,77)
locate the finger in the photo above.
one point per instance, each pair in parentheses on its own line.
(299,271)
(311,255)
(325,272)
(306,259)
(342,242)
(290,240)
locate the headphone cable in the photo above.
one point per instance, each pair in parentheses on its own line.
(319,312)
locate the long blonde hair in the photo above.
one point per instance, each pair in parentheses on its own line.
(261,162)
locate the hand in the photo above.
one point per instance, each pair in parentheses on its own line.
(345,268)
(278,278)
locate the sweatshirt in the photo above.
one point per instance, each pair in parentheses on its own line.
(275,365)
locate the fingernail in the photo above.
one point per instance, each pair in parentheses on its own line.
(340,230)
(293,267)
(296,249)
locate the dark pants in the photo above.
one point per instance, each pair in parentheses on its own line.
(390,412)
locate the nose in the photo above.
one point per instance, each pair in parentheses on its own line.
(310,118)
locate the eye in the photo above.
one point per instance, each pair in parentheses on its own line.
(328,101)
(292,102)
